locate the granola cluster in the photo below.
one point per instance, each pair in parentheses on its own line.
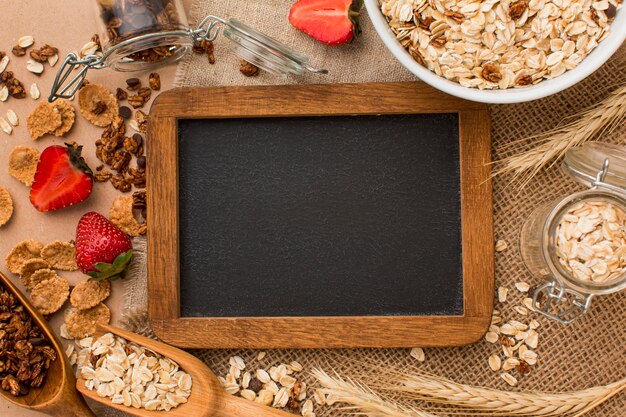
(25,355)
(491,44)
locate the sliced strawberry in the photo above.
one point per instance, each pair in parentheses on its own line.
(62,178)
(330,21)
(103,250)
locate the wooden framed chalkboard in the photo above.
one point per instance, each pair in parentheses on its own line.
(354,215)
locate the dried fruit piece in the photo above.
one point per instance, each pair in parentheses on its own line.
(39,276)
(60,255)
(82,323)
(68,117)
(6,206)
(93,97)
(50,295)
(29,268)
(44,120)
(18,50)
(22,252)
(89,293)
(23,164)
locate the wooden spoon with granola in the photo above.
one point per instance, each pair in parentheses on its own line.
(44,380)
(162,380)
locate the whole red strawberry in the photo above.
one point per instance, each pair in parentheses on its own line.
(330,21)
(103,251)
(62,178)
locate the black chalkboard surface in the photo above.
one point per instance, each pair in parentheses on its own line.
(311,216)
(339,216)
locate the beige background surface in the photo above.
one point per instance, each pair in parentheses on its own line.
(67,25)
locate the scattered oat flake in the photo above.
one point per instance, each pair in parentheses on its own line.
(3,64)
(34,91)
(522,286)
(502,292)
(22,252)
(491,337)
(121,215)
(12,117)
(52,60)
(44,120)
(418,353)
(23,162)
(501,245)
(25,41)
(6,206)
(82,323)
(260,356)
(4,93)
(50,295)
(34,66)
(495,363)
(5,126)
(89,293)
(509,379)
(60,255)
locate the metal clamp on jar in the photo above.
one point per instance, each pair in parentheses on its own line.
(577,244)
(143,34)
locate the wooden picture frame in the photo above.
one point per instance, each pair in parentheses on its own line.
(317,332)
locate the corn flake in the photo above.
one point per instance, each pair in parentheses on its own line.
(22,252)
(82,323)
(6,206)
(68,117)
(49,296)
(97,104)
(89,293)
(45,119)
(23,162)
(121,215)
(41,275)
(60,255)
(29,268)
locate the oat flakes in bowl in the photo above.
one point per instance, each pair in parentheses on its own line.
(500,51)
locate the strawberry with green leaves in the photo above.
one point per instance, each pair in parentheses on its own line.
(103,251)
(62,178)
(333,22)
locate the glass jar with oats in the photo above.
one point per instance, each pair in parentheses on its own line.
(136,35)
(577,244)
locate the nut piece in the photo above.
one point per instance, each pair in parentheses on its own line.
(155,81)
(23,162)
(6,206)
(248,69)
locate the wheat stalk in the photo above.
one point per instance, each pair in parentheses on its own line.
(483,401)
(600,119)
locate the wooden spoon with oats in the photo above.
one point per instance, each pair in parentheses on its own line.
(57,396)
(208,397)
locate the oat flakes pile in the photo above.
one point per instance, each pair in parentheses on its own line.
(500,43)
(129,374)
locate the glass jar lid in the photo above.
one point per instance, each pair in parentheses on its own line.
(584,163)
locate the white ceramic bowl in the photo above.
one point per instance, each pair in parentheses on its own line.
(592,62)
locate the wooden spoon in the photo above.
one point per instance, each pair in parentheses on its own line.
(57,396)
(207,398)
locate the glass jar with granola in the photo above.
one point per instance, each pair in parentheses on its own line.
(136,26)
(577,244)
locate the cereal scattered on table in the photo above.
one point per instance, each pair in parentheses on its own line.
(22,252)
(121,214)
(60,255)
(23,164)
(97,104)
(44,120)
(50,295)
(29,268)
(6,206)
(89,293)
(39,276)
(82,323)
(68,117)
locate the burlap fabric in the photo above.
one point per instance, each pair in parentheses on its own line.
(587,353)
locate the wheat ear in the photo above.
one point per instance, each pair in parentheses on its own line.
(603,118)
(484,401)
(362,400)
